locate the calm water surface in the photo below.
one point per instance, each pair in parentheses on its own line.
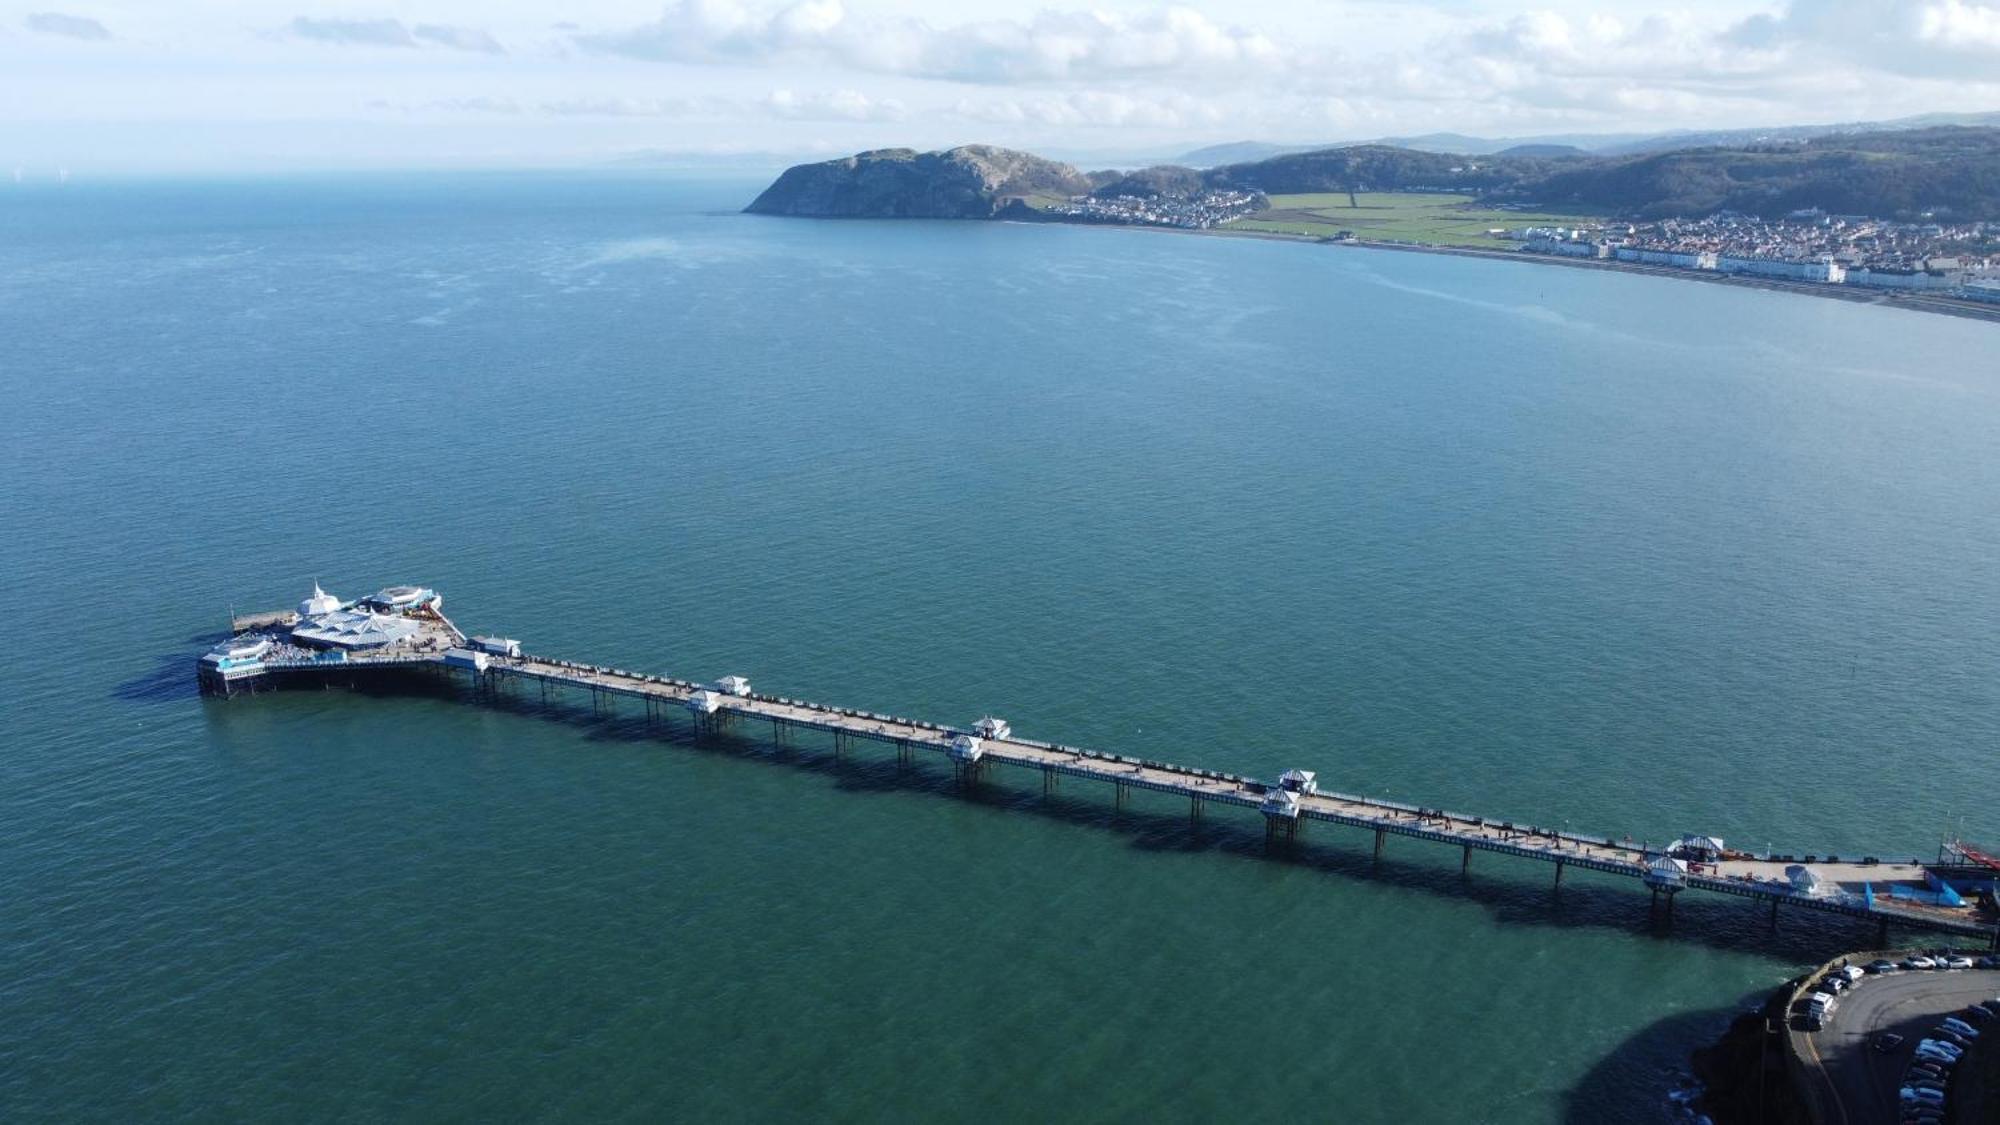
(1629,554)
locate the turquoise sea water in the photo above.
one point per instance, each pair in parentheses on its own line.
(1631,554)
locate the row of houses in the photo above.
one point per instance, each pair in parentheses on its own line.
(1929,275)
(1197,211)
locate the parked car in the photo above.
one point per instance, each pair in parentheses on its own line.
(1881,965)
(1961,1027)
(1952,1037)
(1888,1041)
(1958,962)
(1976,1014)
(1935,1043)
(1987,962)
(1919,961)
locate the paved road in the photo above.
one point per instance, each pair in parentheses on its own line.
(1862,1081)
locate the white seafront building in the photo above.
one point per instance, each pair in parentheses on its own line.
(1822,269)
(1682,259)
(1910,278)
(1569,247)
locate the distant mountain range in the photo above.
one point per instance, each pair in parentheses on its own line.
(1602,144)
(1949,171)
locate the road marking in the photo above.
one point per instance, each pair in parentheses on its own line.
(1825,1079)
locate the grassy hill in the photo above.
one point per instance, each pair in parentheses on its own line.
(1950,171)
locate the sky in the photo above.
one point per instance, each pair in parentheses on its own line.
(229,85)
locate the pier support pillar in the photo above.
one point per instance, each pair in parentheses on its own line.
(1380,835)
(1559,874)
(1194,808)
(1774,913)
(1048,781)
(1280,830)
(1120,786)
(1465,861)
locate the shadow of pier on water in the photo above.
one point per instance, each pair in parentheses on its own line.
(1512,892)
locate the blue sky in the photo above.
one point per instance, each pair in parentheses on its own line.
(226,85)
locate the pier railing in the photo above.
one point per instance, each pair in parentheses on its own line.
(1284,808)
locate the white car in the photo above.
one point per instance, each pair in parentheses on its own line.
(1919,962)
(1958,963)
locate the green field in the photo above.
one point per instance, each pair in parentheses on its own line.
(1435,220)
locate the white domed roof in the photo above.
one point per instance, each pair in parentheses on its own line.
(320,603)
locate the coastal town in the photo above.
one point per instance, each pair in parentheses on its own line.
(1193,211)
(1944,259)
(1936,258)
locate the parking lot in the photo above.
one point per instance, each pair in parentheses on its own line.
(1862,1081)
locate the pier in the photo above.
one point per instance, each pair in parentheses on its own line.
(402,630)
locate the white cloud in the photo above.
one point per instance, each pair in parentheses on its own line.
(361,33)
(1138,75)
(1052,46)
(839,105)
(1912,37)
(1091,109)
(460,38)
(392,33)
(70,27)
(782,104)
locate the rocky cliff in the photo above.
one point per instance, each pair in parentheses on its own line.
(970,182)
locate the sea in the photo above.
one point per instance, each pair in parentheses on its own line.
(1622,554)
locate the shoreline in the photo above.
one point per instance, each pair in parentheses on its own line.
(1942,306)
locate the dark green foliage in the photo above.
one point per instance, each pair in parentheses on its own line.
(1954,172)
(1164,179)
(1370,168)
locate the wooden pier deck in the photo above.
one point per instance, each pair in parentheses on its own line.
(1761,878)
(1287,804)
